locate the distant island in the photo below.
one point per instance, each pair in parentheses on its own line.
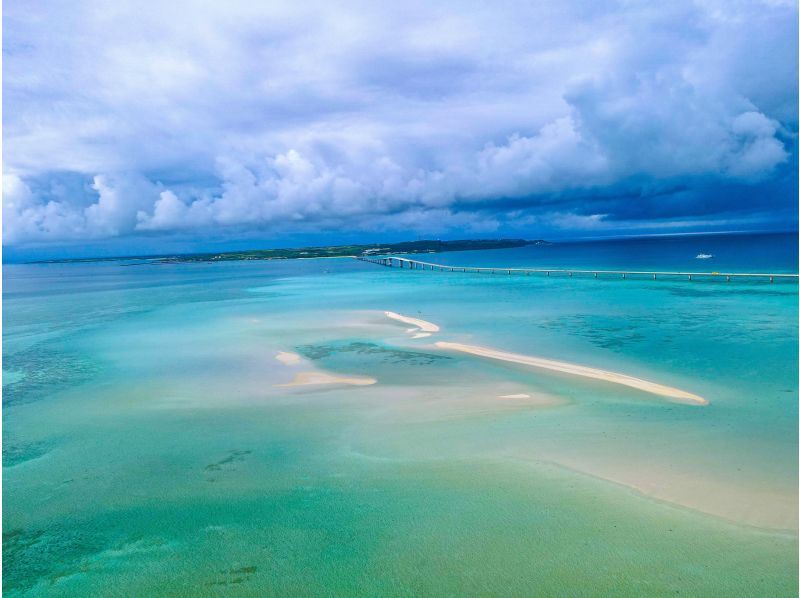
(405,247)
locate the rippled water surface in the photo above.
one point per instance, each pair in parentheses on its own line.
(150,449)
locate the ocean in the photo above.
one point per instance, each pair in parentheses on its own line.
(154,445)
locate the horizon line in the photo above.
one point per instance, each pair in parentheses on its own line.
(560,241)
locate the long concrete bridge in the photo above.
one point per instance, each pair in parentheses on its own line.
(401,262)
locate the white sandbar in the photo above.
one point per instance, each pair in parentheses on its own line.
(577,370)
(421,324)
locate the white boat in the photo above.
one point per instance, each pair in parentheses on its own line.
(703,256)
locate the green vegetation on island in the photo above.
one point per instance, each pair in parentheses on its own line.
(405,247)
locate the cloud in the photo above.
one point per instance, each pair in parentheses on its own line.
(130,119)
(26,217)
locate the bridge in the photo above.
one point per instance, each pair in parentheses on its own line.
(401,262)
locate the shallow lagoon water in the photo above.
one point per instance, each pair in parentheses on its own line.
(147,449)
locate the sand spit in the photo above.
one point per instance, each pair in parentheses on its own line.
(422,325)
(319,378)
(577,370)
(287,358)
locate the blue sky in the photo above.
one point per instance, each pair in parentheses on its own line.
(177,126)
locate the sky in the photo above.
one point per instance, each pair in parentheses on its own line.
(147,127)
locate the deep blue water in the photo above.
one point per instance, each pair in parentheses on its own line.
(731,253)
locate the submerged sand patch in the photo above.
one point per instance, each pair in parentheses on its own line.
(318,378)
(529,400)
(577,370)
(287,358)
(738,501)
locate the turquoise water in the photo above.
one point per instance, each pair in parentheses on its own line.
(147,450)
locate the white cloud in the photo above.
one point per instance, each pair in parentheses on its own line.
(293,116)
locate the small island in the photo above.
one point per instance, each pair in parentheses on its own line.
(405,247)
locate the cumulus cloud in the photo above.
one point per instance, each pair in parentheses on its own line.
(129,119)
